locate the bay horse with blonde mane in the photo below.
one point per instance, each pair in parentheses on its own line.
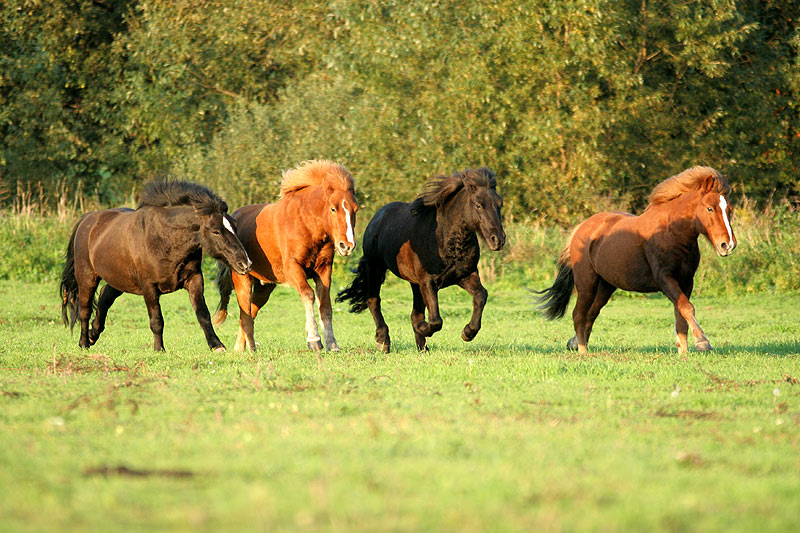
(655,251)
(291,241)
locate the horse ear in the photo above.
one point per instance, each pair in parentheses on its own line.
(709,183)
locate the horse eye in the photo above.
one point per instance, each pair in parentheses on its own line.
(710,209)
(478,207)
(333,209)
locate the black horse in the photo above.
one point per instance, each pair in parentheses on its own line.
(431,243)
(153,250)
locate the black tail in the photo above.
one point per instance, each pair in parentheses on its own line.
(69,285)
(554,300)
(357,292)
(225,286)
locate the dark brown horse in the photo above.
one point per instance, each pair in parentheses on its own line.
(292,241)
(431,243)
(655,251)
(151,251)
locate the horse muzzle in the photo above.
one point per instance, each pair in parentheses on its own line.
(725,248)
(344,249)
(242,267)
(496,241)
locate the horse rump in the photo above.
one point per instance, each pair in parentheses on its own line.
(225,286)
(68,289)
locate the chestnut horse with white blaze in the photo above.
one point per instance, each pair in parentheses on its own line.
(291,241)
(655,251)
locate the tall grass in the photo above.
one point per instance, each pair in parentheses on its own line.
(34,235)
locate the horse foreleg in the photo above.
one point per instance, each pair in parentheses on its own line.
(685,309)
(418,317)
(681,332)
(322,282)
(472,284)
(243,286)
(194,286)
(297,278)
(151,297)
(431,298)
(108,295)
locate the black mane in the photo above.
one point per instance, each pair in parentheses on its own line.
(439,188)
(180,193)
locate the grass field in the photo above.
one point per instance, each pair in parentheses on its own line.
(509,432)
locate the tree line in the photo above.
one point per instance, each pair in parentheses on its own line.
(578,105)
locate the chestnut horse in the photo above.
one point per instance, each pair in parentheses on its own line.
(151,251)
(292,241)
(431,243)
(655,251)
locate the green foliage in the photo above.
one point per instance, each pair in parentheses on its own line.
(577,104)
(506,433)
(33,248)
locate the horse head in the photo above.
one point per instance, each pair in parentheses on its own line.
(340,209)
(483,206)
(713,213)
(218,239)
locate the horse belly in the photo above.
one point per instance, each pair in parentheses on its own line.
(624,268)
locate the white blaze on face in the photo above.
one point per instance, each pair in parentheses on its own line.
(723,205)
(227,225)
(351,239)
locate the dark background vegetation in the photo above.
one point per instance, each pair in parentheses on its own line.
(576,104)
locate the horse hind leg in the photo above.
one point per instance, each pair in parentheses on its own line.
(587,289)
(108,295)
(85,303)
(601,296)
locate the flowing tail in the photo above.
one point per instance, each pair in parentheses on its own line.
(225,286)
(356,293)
(69,284)
(554,300)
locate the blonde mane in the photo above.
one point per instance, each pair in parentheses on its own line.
(313,173)
(690,179)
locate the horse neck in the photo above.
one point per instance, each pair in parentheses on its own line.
(176,219)
(308,206)
(451,226)
(679,216)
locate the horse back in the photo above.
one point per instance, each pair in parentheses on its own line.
(614,246)
(407,245)
(102,244)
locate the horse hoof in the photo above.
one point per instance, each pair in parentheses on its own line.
(572,344)
(219,349)
(315,346)
(383,346)
(334,348)
(703,346)
(467,334)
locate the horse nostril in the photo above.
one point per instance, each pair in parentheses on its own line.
(724,245)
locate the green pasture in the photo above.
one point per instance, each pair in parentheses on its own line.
(507,433)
